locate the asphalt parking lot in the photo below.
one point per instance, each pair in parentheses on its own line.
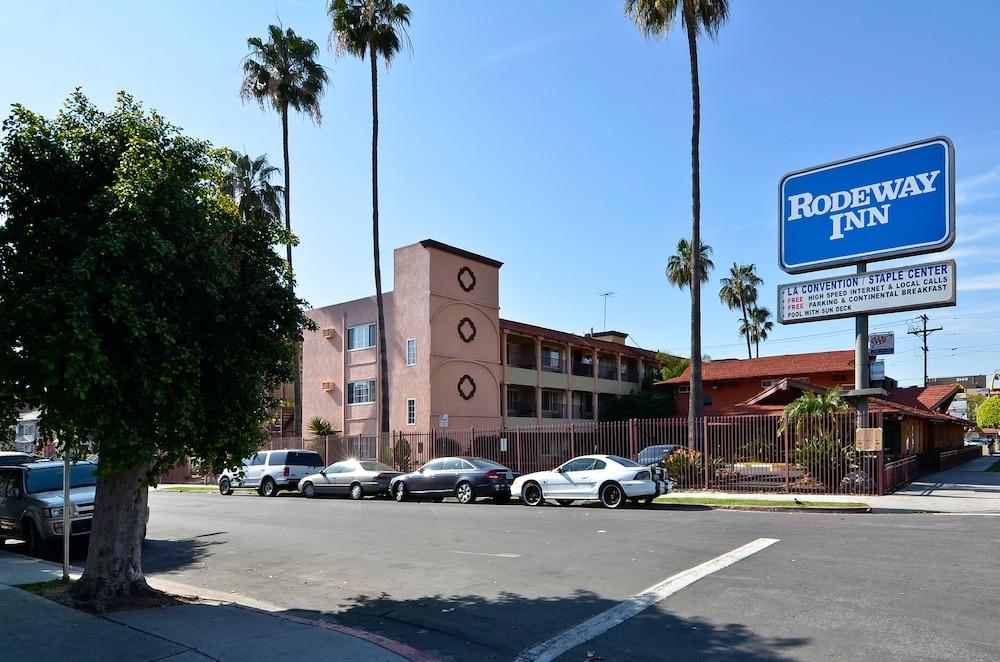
(484,581)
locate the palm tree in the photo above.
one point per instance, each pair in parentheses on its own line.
(282,73)
(248,181)
(373,29)
(655,18)
(762,325)
(814,408)
(679,268)
(739,290)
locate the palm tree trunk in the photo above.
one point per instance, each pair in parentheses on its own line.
(696,403)
(297,378)
(383,359)
(746,325)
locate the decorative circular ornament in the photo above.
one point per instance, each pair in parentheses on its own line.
(466,387)
(466,279)
(466,330)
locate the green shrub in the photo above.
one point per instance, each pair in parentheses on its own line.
(401,451)
(683,466)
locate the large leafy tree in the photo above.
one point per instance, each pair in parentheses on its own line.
(739,290)
(373,29)
(655,18)
(679,265)
(138,310)
(988,413)
(282,73)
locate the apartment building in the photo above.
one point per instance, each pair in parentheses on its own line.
(449,352)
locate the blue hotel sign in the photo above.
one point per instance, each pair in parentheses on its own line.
(887,204)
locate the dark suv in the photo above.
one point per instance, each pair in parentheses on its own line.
(31,502)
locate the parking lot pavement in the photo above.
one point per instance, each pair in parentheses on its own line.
(488,582)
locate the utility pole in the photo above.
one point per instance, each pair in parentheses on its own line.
(923,332)
(606,295)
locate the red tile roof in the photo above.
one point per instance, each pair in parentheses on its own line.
(577,341)
(936,397)
(788,365)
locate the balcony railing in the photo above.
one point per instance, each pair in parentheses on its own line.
(606,371)
(582,369)
(551,364)
(518,358)
(554,411)
(520,410)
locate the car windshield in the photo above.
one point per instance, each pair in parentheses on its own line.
(374,465)
(486,464)
(51,478)
(624,462)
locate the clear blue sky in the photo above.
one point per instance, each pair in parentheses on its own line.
(552,136)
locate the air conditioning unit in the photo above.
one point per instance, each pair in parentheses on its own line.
(329,334)
(328,386)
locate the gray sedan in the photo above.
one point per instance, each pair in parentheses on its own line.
(355,478)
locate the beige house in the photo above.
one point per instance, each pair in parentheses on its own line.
(450,353)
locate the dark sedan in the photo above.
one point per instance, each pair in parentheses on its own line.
(465,478)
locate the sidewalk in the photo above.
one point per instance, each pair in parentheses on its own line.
(965,489)
(36,628)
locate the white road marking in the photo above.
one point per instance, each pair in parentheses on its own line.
(970,514)
(502,556)
(598,625)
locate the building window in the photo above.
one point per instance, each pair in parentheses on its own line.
(361,337)
(361,393)
(411,411)
(411,351)
(684,388)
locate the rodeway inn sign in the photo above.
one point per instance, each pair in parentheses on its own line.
(892,203)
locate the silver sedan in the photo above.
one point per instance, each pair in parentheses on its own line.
(354,478)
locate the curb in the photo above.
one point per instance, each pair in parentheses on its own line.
(851,510)
(390,645)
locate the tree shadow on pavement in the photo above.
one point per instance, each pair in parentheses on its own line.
(168,555)
(474,627)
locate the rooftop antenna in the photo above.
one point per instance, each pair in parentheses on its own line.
(606,295)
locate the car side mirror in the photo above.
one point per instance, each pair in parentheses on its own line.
(559,470)
(323,471)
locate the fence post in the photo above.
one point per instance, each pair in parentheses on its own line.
(704,449)
(788,454)
(633,453)
(472,441)
(517,449)
(572,441)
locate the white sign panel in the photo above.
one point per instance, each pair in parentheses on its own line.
(913,287)
(877,372)
(443,421)
(882,343)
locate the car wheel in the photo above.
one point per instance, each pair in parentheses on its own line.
(531,495)
(564,502)
(225,487)
(400,491)
(357,492)
(269,488)
(37,546)
(464,493)
(308,490)
(612,496)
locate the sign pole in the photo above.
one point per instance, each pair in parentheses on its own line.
(67,521)
(861,360)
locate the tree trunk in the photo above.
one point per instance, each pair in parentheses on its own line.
(297,378)
(114,558)
(383,359)
(696,403)
(746,325)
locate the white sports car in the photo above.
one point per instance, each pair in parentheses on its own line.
(609,479)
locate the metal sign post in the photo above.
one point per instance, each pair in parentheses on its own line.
(66,514)
(861,361)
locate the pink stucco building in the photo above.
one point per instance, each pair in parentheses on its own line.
(449,352)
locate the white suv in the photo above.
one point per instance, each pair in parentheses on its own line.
(269,472)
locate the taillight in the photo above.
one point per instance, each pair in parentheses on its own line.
(492,474)
(285,471)
(642,475)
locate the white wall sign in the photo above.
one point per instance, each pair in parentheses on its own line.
(930,285)
(877,371)
(882,343)
(443,421)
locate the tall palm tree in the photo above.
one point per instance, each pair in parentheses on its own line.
(679,268)
(655,18)
(373,29)
(762,325)
(282,73)
(739,290)
(248,181)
